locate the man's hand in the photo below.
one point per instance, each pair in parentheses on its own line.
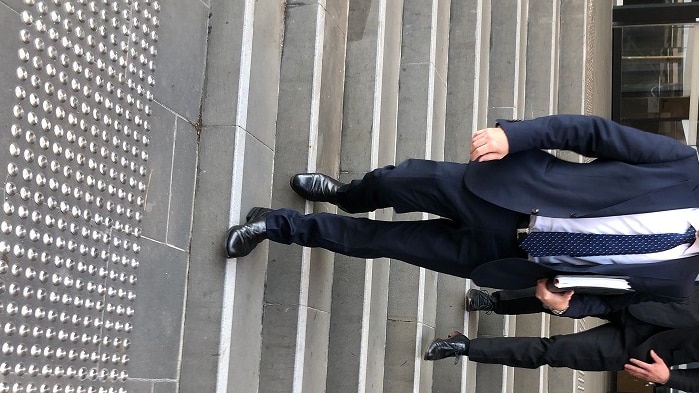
(489,144)
(656,372)
(552,300)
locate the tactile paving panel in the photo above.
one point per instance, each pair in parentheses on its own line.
(74,193)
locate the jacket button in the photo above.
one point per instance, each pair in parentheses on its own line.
(535,211)
(573,215)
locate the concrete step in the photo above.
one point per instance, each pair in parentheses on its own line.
(237,141)
(357,339)
(468,70)
(541,71)
(507,59)
(297,298)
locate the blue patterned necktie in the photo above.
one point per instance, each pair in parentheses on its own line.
(541,244)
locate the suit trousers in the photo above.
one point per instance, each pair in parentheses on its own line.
(471,231)
(515,302)
(604,348)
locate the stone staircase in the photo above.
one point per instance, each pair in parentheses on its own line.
(342,87)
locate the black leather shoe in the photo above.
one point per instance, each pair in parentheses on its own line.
(478,300)
(454,346)
(242,239)
(316,187)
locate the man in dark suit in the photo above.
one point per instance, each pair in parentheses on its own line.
(644,339)
(638,183)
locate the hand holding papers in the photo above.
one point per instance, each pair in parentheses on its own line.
(590,284)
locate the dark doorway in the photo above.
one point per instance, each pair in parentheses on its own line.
(655,66)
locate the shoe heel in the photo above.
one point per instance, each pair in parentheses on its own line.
(254,212)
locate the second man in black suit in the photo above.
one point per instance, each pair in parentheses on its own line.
(644,339)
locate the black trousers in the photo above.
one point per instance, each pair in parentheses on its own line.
(604,348)
(518,301)
(471,231)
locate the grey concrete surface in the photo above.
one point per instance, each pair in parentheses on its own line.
(220,103)
(464,62)
(541,78)
(571,75)
(239,113)
(158,202)
(156,342)
(250,272)
(507,23)
(13,6)
(202,327)
(295,328)
(264,74)
(182,57)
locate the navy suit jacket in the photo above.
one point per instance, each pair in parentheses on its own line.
(634,172)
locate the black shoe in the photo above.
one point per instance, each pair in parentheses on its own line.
(316,187)
(242,239)
(454,346)
(478,300)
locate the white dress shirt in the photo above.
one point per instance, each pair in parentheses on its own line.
(670,221)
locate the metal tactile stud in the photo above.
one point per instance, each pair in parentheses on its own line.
(75,193)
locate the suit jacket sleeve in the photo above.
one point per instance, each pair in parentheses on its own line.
(593,136)
(581,306)
(686,380)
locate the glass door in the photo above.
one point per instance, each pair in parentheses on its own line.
(656,68)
